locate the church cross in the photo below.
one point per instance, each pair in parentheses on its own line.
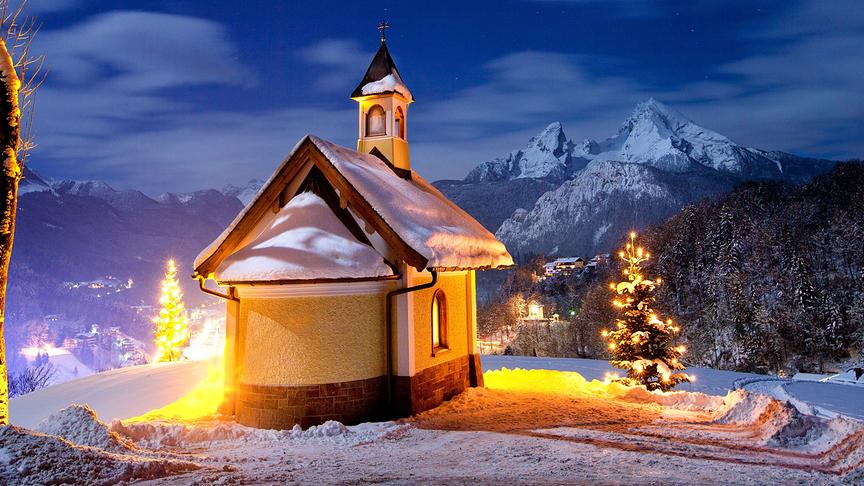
(383,26)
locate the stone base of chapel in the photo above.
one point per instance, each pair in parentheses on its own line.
(435,385)
(280,407)
(352,402)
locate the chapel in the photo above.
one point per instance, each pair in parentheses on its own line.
(349,279)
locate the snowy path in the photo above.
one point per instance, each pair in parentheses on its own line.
(115,394)
(843,399)
(712,382)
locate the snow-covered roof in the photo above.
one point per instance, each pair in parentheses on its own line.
(304,241)
(426,220)
(388,84)
(410,213)
(568,260)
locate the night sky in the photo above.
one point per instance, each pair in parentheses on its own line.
(181,95)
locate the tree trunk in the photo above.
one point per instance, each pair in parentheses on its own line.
(10,137)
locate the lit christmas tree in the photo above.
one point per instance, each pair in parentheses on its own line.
(172,323)
(642,342)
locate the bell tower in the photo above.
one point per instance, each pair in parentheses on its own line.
(383,101)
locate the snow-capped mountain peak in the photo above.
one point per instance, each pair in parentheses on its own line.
(244,193)
(661,116)
(660,136)
(546,156)
(657,161)
(551,139)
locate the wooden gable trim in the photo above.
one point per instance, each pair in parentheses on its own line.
(269,197)
(351,197)
(272,197)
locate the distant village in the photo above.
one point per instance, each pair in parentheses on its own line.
(566,266)
(82,349)
(539,322)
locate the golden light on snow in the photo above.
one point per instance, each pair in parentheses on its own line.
(200,403)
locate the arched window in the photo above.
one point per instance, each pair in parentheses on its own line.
(399,123)
(376,121)
(439,321)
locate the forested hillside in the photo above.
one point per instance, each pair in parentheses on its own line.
(767,278)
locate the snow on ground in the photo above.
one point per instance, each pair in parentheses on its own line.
(67,366)
(526,426)
(828,398)
(115,394)
(709,381)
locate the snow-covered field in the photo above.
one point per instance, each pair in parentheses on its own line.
(524,427)
(827,399)
(116,394)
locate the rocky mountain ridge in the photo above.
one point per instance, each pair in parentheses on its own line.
(565,197)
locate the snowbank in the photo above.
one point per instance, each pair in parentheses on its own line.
(777,422)
(79,425)
(155,435)
(572,383)
(32,458)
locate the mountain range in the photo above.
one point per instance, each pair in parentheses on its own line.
(70,233)
(560,197)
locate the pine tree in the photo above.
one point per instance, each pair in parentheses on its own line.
(642,343)
(172,323)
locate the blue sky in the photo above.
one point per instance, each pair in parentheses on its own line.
(178,95)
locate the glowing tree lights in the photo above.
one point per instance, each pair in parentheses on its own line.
(642,343)
(172,323)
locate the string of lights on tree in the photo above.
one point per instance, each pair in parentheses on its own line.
(642,343)
(172,323)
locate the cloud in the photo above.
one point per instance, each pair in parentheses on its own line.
(107,96)
(140,51)
(339,62)
(521,94)
(107,111)
(198,150)
(800,89)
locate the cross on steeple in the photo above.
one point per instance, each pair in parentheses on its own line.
(383,26)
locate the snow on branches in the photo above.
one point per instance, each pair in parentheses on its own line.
(642,343)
